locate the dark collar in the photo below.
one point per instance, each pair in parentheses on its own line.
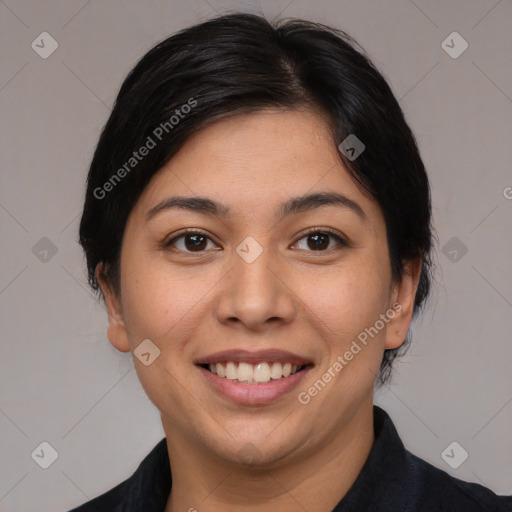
(386,477)
(385,471)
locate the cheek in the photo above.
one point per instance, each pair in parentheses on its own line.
(162,305)
(165,309)
(346,300)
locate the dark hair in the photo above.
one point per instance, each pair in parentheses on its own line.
(241,63)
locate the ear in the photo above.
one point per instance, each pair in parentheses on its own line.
(403,295)
(116,330)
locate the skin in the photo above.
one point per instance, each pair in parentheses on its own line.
(310,302)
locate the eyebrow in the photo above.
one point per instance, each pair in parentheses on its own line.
(292,206)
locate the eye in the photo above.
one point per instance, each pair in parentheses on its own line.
(320,240)
(190,241)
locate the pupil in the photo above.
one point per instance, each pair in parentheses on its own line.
(320,241)
(198,242)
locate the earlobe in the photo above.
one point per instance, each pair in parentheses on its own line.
(116,330)
(404,294)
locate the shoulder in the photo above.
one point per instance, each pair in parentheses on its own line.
(436,490)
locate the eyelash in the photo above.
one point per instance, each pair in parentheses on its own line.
(341,241)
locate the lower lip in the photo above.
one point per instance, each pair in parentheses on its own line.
(254,394)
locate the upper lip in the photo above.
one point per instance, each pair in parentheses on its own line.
(258,356)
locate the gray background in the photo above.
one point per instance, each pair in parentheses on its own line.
(60,379)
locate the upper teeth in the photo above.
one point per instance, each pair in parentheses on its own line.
(246,372)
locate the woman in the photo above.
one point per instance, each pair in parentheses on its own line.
(258,221)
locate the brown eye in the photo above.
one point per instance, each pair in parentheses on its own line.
(320,240)
(190,242)
(195,242)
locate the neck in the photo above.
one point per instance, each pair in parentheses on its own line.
(317,482)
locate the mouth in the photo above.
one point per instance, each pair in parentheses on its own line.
(253,378)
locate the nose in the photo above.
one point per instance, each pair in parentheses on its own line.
(256,295)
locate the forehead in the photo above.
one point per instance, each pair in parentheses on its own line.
(256,161)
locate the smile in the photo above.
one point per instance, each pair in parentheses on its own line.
(253,378)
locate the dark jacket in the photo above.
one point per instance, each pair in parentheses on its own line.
(392,480)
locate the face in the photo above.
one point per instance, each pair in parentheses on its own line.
(254,253)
